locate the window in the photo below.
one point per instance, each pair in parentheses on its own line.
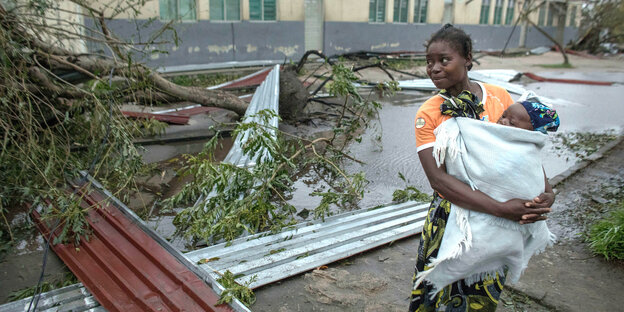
(400,11)
(551,15)
(509,15)
(225,10)
(542,15)
(377,11)
(498,12)
(420,11)
(262,10)
(178,10)
(485,12)
(572,16)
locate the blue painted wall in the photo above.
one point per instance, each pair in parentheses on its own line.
(205,42)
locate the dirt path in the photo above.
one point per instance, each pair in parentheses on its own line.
(564,278)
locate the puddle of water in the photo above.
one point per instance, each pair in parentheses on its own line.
(398,152)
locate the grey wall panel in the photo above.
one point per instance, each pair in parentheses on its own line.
(204,42)
(200,42)
(487,37)
(268,40)
(344,37)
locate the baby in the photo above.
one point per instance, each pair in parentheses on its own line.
(530,115)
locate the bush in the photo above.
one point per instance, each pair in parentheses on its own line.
(606,237)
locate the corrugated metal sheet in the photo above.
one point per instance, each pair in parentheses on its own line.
(71,298)
(247,81)
(124,268)
(213,66)
(500,74)
(269,258)
(265,97)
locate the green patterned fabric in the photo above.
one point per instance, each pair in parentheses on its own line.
(465,104)
(458,297)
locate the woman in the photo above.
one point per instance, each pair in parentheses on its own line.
(449,58)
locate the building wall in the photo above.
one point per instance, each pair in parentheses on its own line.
(346,29)
(290,10)
(464,11)
(435,11)
(467,12)
(347,10)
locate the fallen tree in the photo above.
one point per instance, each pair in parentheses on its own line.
(45,59)
(60,106)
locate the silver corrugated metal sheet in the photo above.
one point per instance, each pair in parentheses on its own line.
(211,66)
(269,258)
(499,74)
(265,97)
(417,84)
(71,298)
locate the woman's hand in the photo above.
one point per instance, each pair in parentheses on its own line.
(519,210)
(544,200)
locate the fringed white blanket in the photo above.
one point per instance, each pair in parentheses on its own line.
(504,163)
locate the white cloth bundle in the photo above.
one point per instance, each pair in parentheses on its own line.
(504,163)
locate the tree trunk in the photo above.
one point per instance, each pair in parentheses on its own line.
(52,59)
(561,49)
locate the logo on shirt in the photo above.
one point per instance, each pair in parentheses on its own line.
(420,122)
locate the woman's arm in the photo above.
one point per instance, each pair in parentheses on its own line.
(462,195)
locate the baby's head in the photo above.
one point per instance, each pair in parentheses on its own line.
(530,115)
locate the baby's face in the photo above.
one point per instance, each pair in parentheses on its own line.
(516,116)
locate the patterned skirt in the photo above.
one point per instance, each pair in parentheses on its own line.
(481,296)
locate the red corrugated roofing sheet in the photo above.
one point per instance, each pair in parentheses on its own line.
(254,80)
(125,269)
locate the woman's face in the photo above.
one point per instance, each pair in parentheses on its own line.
(446,66)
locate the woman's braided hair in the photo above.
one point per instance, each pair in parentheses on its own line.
(456,37)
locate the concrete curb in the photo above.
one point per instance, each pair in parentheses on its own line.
(558,179)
